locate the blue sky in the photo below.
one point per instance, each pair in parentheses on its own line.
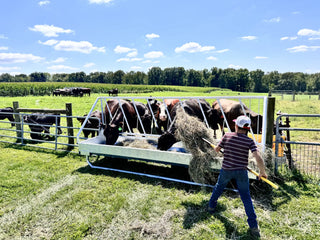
(58,36)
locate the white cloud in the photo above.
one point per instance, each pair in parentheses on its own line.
(249,38)
(41,3)
(50,42)
(308,32)
(129,59)
(223,50)
(100,1)
(18,58)
(288,38)
(8,69)
(260,57)
(50,30)
(154,54)
(192,47)
(119,49)
(152,36)
(61,67)
(136,68)
(212,58)
(3,48)
(132,54)
(314,38)
(3,36)
(59,60)
(273,20)
(234,66)
(302,48)
(87,65)
(82,46)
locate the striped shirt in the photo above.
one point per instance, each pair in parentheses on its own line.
(236,150)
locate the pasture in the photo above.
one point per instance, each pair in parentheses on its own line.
(55,195)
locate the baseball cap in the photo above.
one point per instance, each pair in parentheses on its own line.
(243,122)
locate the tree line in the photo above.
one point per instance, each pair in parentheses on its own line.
(241,80)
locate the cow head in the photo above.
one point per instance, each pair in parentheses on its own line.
(213,118)
(162,112)
(256,123)
(111,132)
(166,140)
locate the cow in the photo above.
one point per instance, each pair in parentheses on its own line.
(113,92)
(85,90)
(119,124)
(161,110)
(92,123)
(191,107)
(232,109)
(40,122)
(7,113)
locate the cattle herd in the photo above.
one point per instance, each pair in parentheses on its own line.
(73,91)
(123,115)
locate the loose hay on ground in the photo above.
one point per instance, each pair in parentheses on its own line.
(191,130)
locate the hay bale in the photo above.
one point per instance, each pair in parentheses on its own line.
(190,130)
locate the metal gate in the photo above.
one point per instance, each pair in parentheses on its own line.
(297,155)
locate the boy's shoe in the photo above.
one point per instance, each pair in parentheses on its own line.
(211,210)
(255,232)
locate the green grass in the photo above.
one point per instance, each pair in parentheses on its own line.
(55,195)
(45,195)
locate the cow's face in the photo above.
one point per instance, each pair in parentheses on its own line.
(213,118)
(163,113)
(111,132)
(165,141)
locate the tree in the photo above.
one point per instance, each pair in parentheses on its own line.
(118,77)
(154,76)
(6,77)
(39,77)
(193,78)
(257,78)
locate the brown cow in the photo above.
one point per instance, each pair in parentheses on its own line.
(232,109)
(118,123)
(192,108)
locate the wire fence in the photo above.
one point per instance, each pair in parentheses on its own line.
(298,155)
(45,135)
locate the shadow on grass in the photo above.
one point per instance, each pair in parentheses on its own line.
(198,212)
(149,169)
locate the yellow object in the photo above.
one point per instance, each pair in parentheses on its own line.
(264,179)
(281,146)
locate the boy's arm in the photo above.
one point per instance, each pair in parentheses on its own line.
(260,164)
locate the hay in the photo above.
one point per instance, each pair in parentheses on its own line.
(190,130)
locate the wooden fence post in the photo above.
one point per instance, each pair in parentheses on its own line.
(69,124)
(270,121)
(17,119)
(293,95)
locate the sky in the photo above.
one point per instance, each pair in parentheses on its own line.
(66,36)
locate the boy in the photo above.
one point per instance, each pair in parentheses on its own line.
(234,166)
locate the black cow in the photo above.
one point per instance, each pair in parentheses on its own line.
(92,123)
(191,107)
(7,113)
(40,122)
(118,123)
(113,92)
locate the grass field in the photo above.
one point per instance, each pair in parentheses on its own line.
(55,195)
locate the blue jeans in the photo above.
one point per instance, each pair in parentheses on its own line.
(241,177)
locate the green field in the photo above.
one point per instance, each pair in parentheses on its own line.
(55,195)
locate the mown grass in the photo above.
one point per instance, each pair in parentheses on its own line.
(55,195)
(46,195)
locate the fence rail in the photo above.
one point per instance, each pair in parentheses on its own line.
(302,156)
